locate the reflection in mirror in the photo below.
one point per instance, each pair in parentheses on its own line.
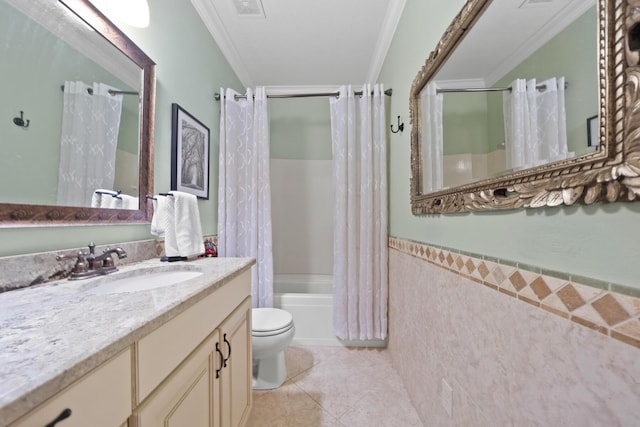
(81,96)
(528,104)
(85,93)
(501,99)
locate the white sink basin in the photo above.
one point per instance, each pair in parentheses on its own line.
(143,282)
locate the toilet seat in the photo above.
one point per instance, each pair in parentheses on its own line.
(270,321)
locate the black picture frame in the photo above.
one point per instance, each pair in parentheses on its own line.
(190,140)
(592,131)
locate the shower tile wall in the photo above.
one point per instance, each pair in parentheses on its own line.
(516,347)
(302,216)
(461,169)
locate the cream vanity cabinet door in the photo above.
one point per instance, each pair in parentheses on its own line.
(188,396)
(212,387)
(100,398)
(235,377)
(195,370)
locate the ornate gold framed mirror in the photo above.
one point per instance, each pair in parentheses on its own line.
(587,172)
(53,44)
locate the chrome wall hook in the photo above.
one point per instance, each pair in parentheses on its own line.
(400,127)
(19,121)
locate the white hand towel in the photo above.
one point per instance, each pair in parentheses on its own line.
(96,200)
(156,228)
(129,202)
(170,242)
(111,202)
(102,198)
(161,216)
(188,229)
(106,199)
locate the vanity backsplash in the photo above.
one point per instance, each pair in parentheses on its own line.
(20,271)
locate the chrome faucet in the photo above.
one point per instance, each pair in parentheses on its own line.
(88,264)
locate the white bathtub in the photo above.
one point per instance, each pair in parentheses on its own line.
(309,299)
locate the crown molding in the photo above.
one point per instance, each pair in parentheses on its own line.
(217,29)
(392,18)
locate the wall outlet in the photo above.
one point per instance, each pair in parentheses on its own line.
(446,397)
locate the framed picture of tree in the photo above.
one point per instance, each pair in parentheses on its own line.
(189,153)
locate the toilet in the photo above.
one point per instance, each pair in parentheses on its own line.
(272,330)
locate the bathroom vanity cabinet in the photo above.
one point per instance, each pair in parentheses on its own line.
(192,369)
(211,385)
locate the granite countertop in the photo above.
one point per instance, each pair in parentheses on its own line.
(53,334)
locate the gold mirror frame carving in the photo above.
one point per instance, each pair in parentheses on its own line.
(609,175)
(21,215)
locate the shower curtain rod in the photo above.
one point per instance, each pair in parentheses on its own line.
(111,91)
(387,92)
(490,89)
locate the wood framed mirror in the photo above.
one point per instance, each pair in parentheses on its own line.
(78,43)
(602,163)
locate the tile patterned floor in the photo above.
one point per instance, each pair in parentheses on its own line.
(335,387)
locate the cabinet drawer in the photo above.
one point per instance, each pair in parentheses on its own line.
(101,398)
(160,352)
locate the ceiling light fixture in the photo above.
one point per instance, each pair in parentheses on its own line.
(132,12)
(249,8)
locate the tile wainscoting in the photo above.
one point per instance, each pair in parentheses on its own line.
(507,345)
(615,314)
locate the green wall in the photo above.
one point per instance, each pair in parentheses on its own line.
(593,241)
(300,128)
(190,68)
(465,119)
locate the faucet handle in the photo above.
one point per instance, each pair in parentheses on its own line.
(79,255)
(80,266)
(108,262)
(65,256)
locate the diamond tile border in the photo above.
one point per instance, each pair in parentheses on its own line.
(605,308)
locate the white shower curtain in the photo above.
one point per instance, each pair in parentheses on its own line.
(360,218)
(88,143)
(244,193)
(431,143)
(535,123)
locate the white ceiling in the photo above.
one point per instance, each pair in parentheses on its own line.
(320,43)
(300,44)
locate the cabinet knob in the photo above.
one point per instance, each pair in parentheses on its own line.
(63,416)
